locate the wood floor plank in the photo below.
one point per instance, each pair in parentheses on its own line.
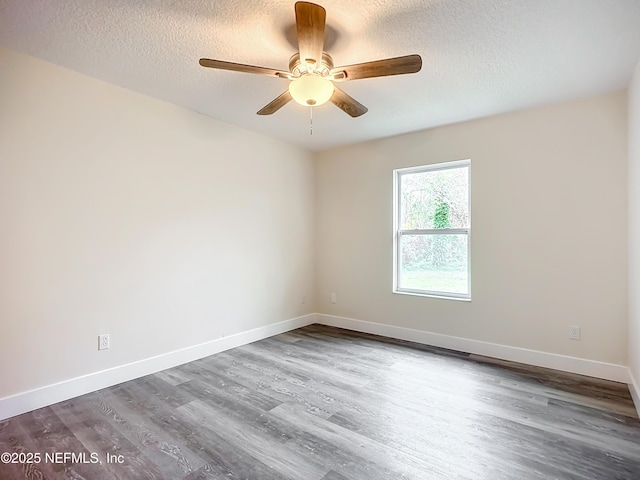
(325,362)
(239,413)
(325,390)
(98,436)
(16,438)
(173,376)
(255,441)
(223,383)
(362,449)
(334,476)
(223,459)
(166,452)
(268,382)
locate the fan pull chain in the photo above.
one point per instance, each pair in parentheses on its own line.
(310,120)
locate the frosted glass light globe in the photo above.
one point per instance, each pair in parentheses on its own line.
(311,90)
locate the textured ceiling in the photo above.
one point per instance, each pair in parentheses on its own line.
(480,57)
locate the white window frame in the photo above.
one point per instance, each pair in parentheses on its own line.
(398,233)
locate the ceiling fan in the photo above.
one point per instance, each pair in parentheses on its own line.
(311,71)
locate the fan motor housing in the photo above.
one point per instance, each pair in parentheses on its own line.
(297,69)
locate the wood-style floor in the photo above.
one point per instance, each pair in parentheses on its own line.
(321,403)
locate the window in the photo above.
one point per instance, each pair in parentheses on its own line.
(432,226)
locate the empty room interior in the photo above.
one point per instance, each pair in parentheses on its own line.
(411,253)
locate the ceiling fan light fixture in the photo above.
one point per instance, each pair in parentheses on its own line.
(311,72)
(311,90)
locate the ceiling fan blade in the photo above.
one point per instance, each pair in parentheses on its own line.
(347,103)
(310,21)
(241,67)
(378,68)
(276,104)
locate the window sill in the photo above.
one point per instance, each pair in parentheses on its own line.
(433,295)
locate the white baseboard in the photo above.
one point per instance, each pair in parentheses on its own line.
(608,371)
(58,392)
(634,388)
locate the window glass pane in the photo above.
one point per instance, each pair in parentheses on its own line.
(437,263)
(435,199)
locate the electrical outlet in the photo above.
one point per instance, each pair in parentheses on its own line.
(103,342)
(574,332)
(334,298)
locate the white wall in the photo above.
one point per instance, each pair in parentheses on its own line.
(549,236)
(125,215)
(634,233)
